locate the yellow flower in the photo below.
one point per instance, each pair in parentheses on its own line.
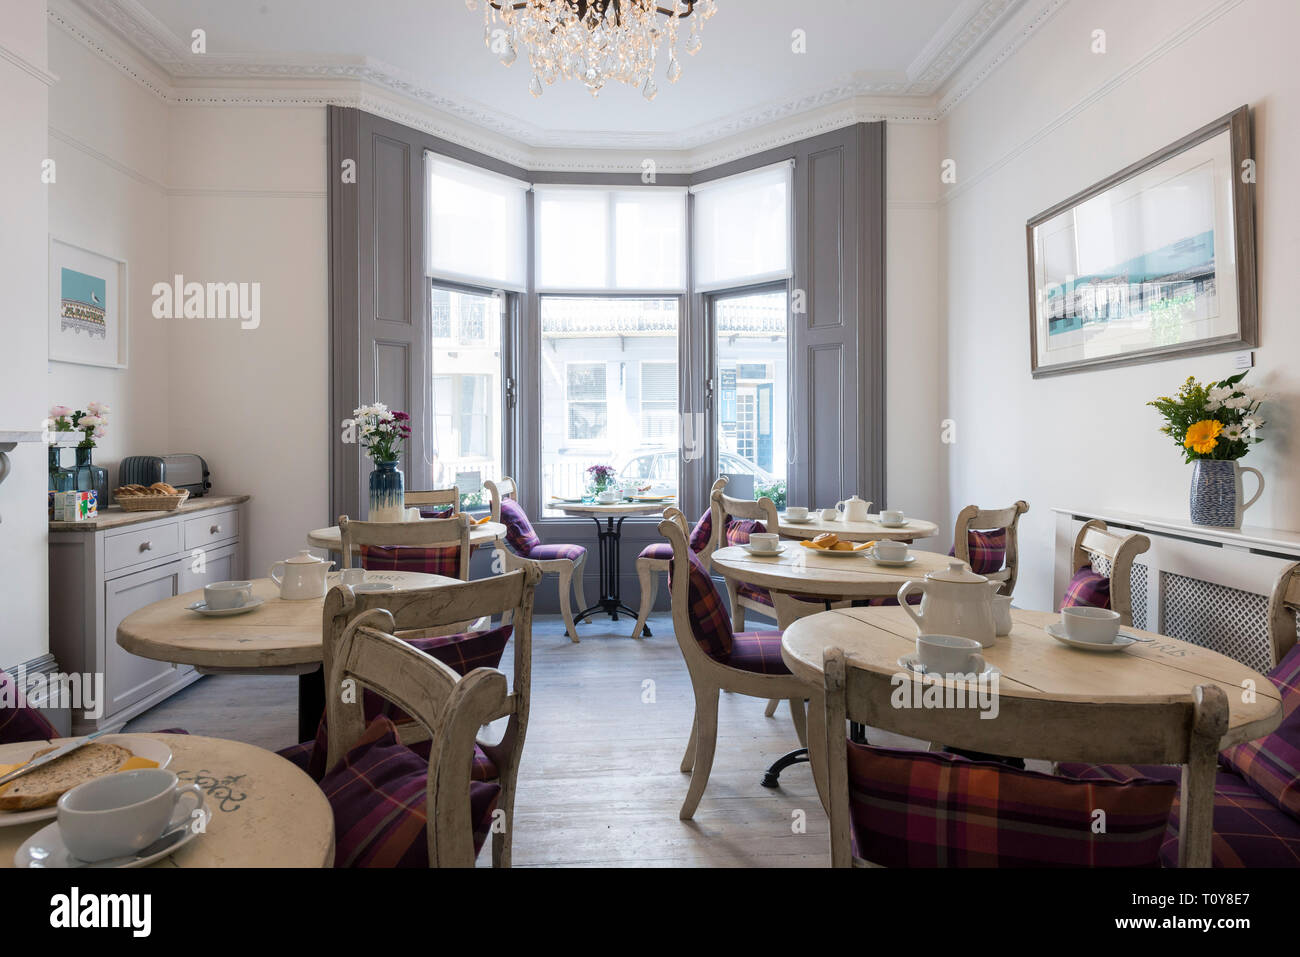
(1203,436)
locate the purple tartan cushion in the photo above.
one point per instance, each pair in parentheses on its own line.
(759,652)
(435,560)
(755,593)
(378,794)
(710,623)
(1271,765)
(988,550)
(304,757)
(739,530)
(19,721)
(661,551)
(702,532)
(519,531)
(1087,588)
(928,809)
(544,553)
(435,511)
(1249,830)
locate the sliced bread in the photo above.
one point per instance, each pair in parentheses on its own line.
(45,785)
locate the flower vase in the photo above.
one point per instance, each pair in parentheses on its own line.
(387,493)
(1215,498)
(91,477)
(61,479)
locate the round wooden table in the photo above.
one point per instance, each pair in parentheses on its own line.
(1033,664)
(263,810)
(610,536)
(867,531)
(332,539)
(280,637)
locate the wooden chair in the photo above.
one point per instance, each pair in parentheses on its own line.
(439,546)
(973,518)
(1185,732)
(426,612)
(1283,610)
(657,558)
(564,561)
(711,675)
(725,509)
(1095,540)
(434,498)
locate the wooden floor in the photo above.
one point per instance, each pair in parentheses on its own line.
(599,784)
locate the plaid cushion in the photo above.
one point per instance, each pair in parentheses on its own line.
(304,757)
(1271,765)
(544,553)
(436,511)
(437,560)
(739,530)
(1249,830)
(519,531)
(755,593)
(927,809)
(19,721)
(1087,588)
(759,652)
(659,550)
(702,532)
(710,623)
(988,550)
(378,794)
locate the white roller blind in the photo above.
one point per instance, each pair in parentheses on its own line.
(474,225)
(742,228)
(592,239)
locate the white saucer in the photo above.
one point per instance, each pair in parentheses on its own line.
(909,560)
(796,521)
(45,848)
(202,608)
(1057,631)
(910,663)
(764,552)
(903,524)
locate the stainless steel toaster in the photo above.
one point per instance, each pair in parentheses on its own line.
(184,470)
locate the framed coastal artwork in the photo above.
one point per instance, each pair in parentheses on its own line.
(88,307)
(1155,261)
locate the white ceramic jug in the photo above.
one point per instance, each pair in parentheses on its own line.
(954,601)
(854,509)
(304,577)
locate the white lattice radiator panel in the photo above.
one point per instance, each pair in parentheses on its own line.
(1227,620)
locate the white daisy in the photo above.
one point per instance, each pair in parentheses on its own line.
(1232,433)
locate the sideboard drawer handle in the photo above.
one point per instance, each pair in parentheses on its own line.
(214,530)
(146,546)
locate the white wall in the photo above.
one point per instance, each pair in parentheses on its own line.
(23,245)
(1054,119)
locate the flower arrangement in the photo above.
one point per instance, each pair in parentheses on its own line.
(381,431)
(92,422)
(601,477)
(1218,421)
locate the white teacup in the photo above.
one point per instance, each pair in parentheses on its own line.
(797,512)
(893,516)
(629,491)
(352,576)
(764,541)
(892,551)
(950,654)
(830,514)
(1002,614)
(609,496)
(221,595)
(1097,626)
(120,814)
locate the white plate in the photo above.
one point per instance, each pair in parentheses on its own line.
(796,521)
(910,662)
(1057,631)
(852,553)
(45,849)
(202,608)
(764,552)
(150,749)
(909,560)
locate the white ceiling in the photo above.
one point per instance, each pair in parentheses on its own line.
(432,50)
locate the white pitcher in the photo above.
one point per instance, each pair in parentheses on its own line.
(854,509)
(955,601)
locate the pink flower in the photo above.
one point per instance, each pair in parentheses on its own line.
(59,411)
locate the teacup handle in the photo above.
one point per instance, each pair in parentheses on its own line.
(980,664)
(179,817)
(908,587)
(278,579)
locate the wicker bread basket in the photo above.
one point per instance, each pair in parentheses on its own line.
(152,503)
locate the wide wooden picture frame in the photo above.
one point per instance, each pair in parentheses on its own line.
(1155,261)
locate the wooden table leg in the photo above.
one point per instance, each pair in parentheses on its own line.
(311,703)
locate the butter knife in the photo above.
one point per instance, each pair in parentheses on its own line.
(45,759)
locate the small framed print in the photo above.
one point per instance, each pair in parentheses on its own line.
(1153,262)
(88,315)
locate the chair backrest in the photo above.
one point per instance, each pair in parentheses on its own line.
(1283,609)
(972,517)
(1185,731)
(725,508)
(426,533)
(503,487)
(686,618)
(434,497)
(1096,539)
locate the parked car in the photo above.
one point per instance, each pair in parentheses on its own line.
(660,467)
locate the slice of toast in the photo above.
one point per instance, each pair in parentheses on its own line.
(45,785)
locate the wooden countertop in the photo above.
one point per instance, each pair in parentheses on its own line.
(115,517)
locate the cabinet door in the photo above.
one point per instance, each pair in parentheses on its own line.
(205,566)
(128,677)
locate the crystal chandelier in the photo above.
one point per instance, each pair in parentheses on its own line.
(592,40)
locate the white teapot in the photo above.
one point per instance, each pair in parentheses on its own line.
(955,601)
(854,509)
(304,577)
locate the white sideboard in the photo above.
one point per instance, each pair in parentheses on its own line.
(103,569)
(1209,586)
